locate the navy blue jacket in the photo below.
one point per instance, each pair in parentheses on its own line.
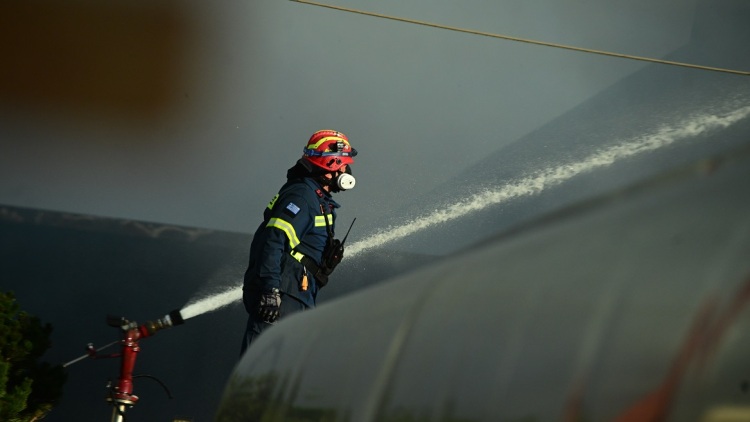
(293,224)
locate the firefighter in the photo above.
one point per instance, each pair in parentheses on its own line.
(294,250)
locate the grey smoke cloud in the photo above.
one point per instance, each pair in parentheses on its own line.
(252,81)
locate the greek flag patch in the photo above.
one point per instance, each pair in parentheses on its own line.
(291,207)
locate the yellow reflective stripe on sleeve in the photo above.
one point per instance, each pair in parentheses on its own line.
(273,202)
(287,228)
(297,255)
(321,222)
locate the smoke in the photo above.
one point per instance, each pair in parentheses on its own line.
(388,79)
(532,185)
(554,176)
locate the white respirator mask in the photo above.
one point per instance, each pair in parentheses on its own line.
(345,181)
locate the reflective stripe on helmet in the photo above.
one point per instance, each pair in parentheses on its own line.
(326,139)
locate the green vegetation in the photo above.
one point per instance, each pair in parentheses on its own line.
(28,389)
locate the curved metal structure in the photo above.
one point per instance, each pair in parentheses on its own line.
(632,307)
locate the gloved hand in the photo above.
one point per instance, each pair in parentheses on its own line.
(268,307)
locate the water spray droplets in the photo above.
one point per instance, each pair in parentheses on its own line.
(528,186)
(213,302)
(554,176)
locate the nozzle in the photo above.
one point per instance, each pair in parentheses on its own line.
(176,317)
(171,319)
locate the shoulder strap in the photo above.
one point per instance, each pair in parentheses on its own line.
(329,230)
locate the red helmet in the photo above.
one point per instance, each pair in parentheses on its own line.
(329,150)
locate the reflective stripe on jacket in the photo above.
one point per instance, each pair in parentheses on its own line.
(293,225)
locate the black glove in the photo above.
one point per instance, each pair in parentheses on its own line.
(268,307)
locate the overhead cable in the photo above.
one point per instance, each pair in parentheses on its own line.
(524,40)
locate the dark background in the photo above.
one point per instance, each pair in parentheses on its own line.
(133,190)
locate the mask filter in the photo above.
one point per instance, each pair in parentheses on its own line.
(345,181)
